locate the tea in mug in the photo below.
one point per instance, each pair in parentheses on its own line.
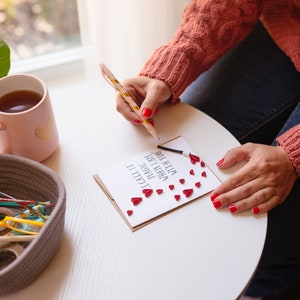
(19,101)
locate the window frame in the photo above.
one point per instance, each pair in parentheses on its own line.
(53,66)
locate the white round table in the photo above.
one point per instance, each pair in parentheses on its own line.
(196,252)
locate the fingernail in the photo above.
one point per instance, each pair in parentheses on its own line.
(232,208)
(147,112)
(255,210)
(217,203)
(151,122)
(220,162)
(137,121)
(213,197)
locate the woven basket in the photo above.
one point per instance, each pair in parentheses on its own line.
(26,179)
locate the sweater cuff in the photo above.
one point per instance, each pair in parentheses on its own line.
(290,141)
(169,66)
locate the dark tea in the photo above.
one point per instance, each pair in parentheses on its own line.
(19,100)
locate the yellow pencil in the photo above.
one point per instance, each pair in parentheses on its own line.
(111,79)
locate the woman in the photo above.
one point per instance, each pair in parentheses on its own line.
(239,61)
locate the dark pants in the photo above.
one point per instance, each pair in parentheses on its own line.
(254,92)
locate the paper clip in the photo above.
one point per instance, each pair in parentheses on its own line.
(22,225)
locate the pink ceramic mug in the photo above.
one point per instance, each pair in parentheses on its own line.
(27,124)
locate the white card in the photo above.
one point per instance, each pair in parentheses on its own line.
(157,181)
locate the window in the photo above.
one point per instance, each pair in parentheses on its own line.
(37,27)
(45,37)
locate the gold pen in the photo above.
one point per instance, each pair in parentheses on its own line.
(111,79)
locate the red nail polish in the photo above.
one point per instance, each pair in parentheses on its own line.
(217,203)
(220,162)
(232,208)
(151,122)
(147,112)
(137,121)
(255,210)
(213,197)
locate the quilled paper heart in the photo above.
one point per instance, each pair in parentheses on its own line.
(182,181)
(192,172)
(203,174)
(177,197)
(194,158)
(159,191)
(147,192)
(202,164)
(188,192)
(129,212)
(198,184)
(171,187)
(136,200)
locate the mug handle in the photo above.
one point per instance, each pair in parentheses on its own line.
(5,147)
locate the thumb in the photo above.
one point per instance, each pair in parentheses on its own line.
(149,105)
(233,156)
(157,93)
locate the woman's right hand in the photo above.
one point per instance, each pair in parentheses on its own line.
(148,93)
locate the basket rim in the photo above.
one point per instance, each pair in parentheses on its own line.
(55,220)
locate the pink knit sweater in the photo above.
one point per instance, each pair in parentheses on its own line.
(209,28)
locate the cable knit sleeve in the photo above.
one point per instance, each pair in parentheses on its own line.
(209,28)
(281,18)
(290,141)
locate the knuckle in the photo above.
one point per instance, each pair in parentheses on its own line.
(157,84)
(235,181)
(261,196)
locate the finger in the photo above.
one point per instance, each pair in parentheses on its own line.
(149,105)
(123,108)
(254,205)
(157,94)
(265,206)
(239,193)
(259,202)
(259,197)
(244,175)
(245,196)
(234,156)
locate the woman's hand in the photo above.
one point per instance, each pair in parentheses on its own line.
(262,183)
(148,93)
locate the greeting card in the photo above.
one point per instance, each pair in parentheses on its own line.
(155,182)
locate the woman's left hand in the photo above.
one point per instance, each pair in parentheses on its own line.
(262,183)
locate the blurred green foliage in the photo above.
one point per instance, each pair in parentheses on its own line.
(4,59)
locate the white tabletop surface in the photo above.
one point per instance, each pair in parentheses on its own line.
(196,252)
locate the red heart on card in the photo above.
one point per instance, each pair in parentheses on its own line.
(159,191)
(182,181)
(129,212)
(194,158)
(171,187)
(177,197)
(202,164)
(147,192)
(192,172)
(198,184)
(136,200)
(188,192)
(203,174)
